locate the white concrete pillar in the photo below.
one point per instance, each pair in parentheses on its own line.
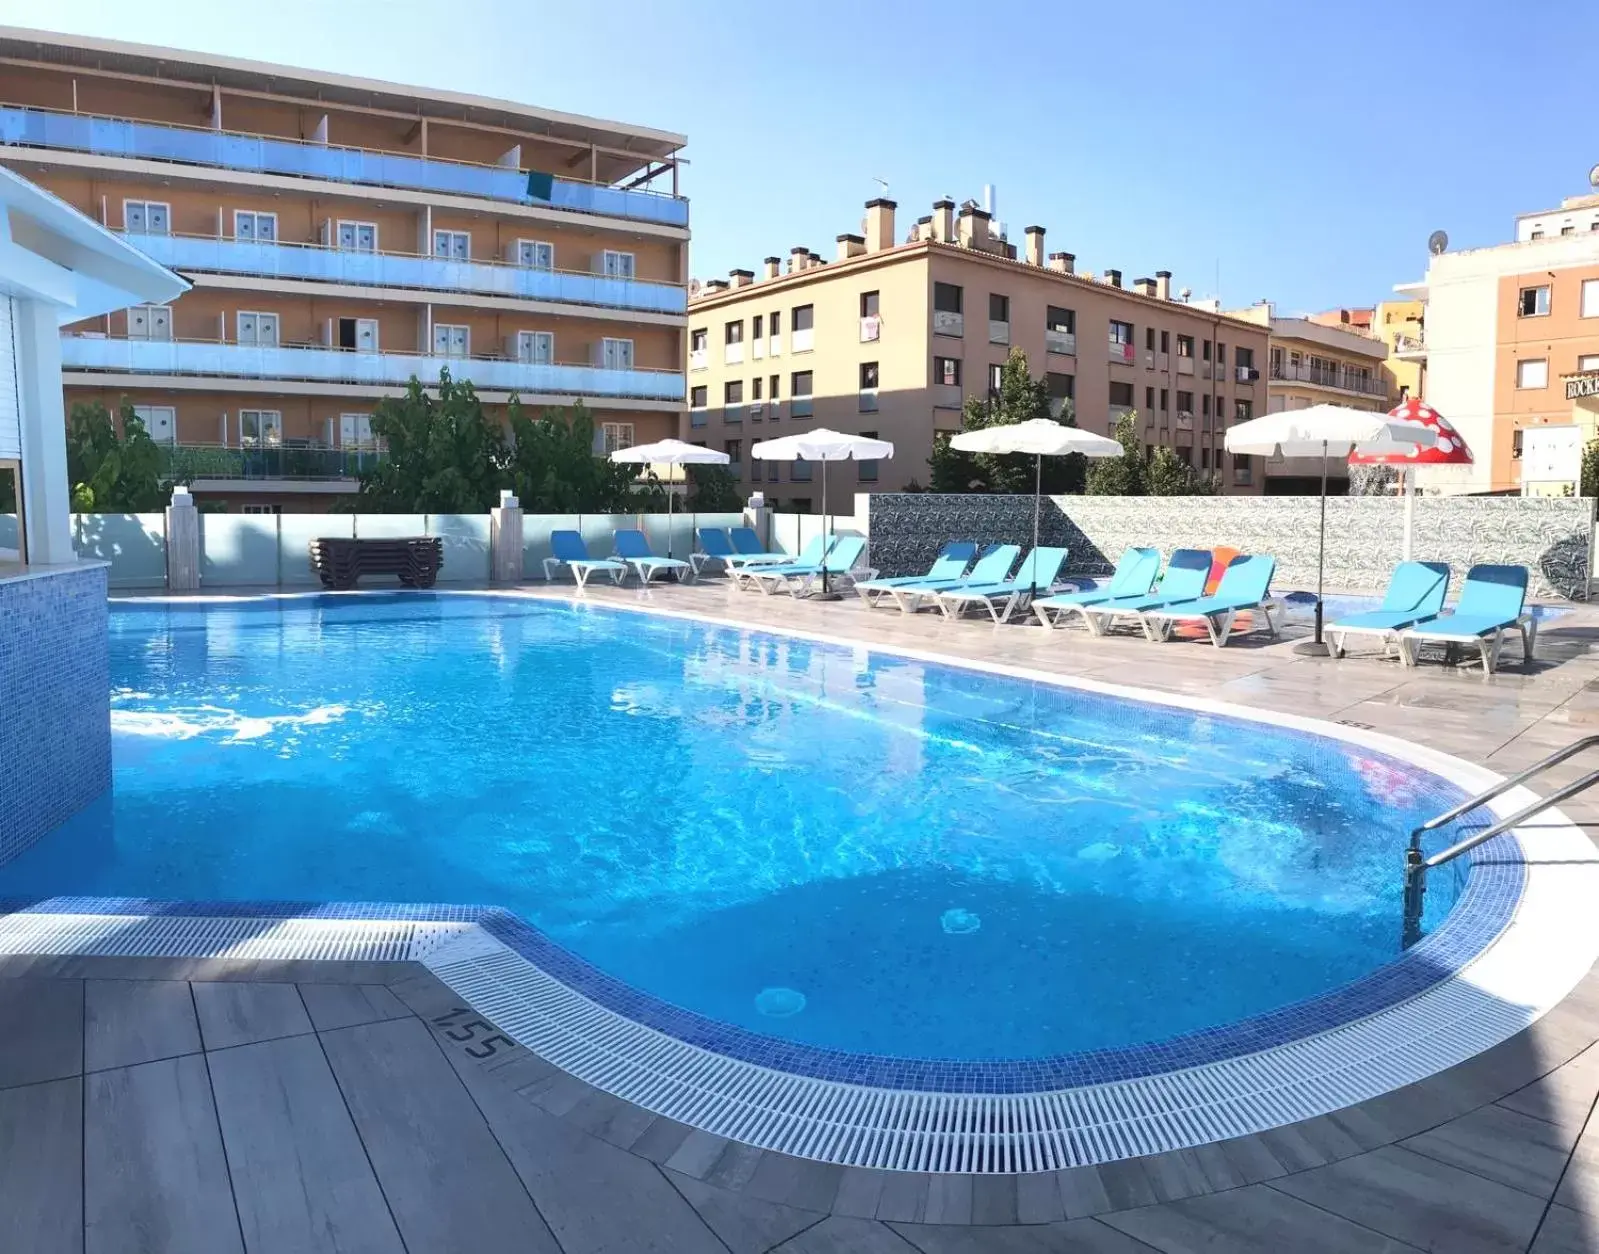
(758,514)
(183,542)
(505,540)
(46,495)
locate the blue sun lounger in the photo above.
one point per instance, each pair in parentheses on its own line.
(567,549)
(1493,600)
(1135,575)
(797,579)
(950,563)
(634,549)
(715,546)
(1037,574)
(991,567)
(1245,585)
(1184,580)
(1415,594)
(744,573)
(749,551)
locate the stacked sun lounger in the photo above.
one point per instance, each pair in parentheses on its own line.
(340,561)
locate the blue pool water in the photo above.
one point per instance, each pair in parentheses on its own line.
(853,851)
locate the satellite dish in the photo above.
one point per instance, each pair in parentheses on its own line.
(1593,177)
(1438,241)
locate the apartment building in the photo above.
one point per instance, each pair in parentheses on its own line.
(1397,323)
(342,236)
(1511,343)
(891,335)
(1314,363)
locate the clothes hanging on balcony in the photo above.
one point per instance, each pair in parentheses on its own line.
(540,186)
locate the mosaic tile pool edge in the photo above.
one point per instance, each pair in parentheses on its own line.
(55,739)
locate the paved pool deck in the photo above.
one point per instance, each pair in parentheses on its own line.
(206,1105)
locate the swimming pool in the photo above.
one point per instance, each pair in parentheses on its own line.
(850,852)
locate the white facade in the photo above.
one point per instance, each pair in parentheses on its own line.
(1578,215)
(56,267)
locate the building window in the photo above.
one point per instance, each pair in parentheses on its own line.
(1165,341)
(755,388)
(799,390)
(734,333)
(697,397)
(1536,235)
(733,393)
(1185,404)
(946,298)
(260,428)
(1245,358)
(1515,444)
(452,340)
(1534,302)
(734,450)
(1204,346)
(1164,397)
(357,237)
(866,469)
(1568,230)
(249,224)
(268,510)
(773,469)
(537,347)
(614,265)
(150,322)
(1149,339)
(996,377)
(254,327)
(1588,362)
(1532,373)
(1061,387)
(800,472)
(802,327)
(160,421)
(697,339)
(616,354)
(1121,394)
(771,390)
(1590,298)
(1149,399)
(1185,346)
(617,435)
(1243,411)
(869,305)
(1221,355)
(868,390)
(998,307)
(1121,333)
(452,245)
(775,321)
(1204,404)
(535,254)
(1061,321)
(947,371)
(756,323)
(147,217)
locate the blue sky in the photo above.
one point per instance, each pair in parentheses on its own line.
(1301,152)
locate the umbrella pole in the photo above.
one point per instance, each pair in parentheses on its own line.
(1316,647)
(669,510)
(1038,496)
(827,533)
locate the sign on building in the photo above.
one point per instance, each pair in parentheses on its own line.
(1582,385)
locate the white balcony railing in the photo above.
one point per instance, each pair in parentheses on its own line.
(1061,342)
(1122,353)
(802,340)
(733,354)
(697,359)
(331,365)
(1185,365)
(774,346)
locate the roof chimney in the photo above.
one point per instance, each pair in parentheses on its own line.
(1113,277)
(1163,284)
(714,287)
(798,259)
(742,278)
(1066,263)
(1035,245)
(850,246)
(944,220)
(774,267)
(879,224)
(972,223)
(922,230)
(1144,287)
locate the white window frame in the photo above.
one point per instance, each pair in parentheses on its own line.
(164,205)
(450,327)
(258,315)
(1589,307)
(452,237)
(144,412)
(1548,300)
(607,351)
(339,225)
(255,217)
(1542,363)
(536,245)
(527,351)
(363,424)
(150,321)
(616,264)
(1587,363)
(617,435)
(265,420)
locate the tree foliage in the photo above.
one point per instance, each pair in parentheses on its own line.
(553,470)
(112,473)
(1588,485)
(1135,473)
(1019,398)
(713,489)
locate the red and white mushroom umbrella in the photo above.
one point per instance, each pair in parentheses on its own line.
(1450,450)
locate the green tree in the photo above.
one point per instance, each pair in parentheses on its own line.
(1127,475)
(553,468)
(1589,485)
(1019,398)
(112,473)
(713,489)
(442,454)
(1166,474)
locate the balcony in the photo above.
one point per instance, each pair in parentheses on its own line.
(998,332)
(115,137)
(697,359)
(186,463)
(1320,376)
(733,354)
(948,322)
(1410,347)
(1060,342)
(319,264)
(1122,354)
(330,365)
(1185,365)
(1245,374)
(801,340)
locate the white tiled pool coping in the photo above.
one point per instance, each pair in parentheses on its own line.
(1549,945)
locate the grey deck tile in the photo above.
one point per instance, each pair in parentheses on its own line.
(1256,1219)
(660,1140)
(1079,1236)
(860,1189)
(1038,1199)
(448,1182)
(1253,1158)
(697,1154)
(1566,1231)
(301,1178)
(994,1200)
(558,1092)
(43,1034)
(425,993)
(1083,1192)
(595,1197)
(241,1013)
(609,1118)
(1503,1145)
(154,1174)
(949,1199)
(1579,1187)
(298,971)
(904,1197)
(746,1225)
(734,1166)
(132,1021)
(41,1181)
(837,1235)
(1180,1173)
(800,1182)
(1420,1200)
(345,1005)
(1566,1094)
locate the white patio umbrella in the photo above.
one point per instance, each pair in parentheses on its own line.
(822,445)
(670,453)
(1042,437)
(1323,431)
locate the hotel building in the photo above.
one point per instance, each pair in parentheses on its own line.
(894,333)
(342,236)
(1511,344)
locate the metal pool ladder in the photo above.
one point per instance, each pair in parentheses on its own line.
(1417,866)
